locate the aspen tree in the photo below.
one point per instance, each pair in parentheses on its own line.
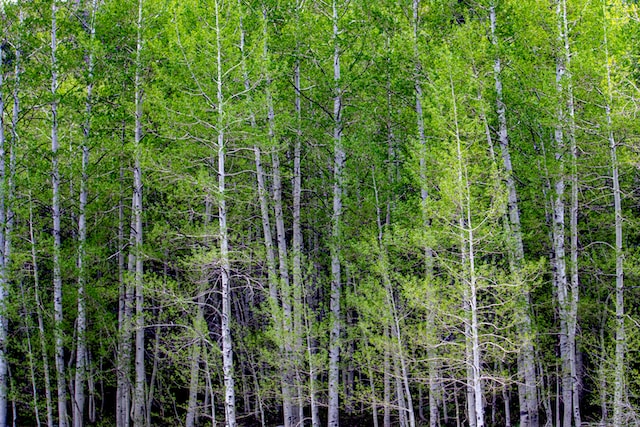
(279,323)
(288,389)
(140,379)
(297,278)
(55,204)
(81,350)
(4,294)
(567,292)
(619,393)
(336,220)
(424,193)
(528,413)
(225,279)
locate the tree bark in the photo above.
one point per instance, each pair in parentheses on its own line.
(474,368)
(225,267)
(192,404)
(139,390)
(424,193)
(528,411)
(288,383)
(297,244)
(567,321)
(336,219)
(619,394)
(41,331)
(81,349)
(572,319)
(125,302)
(4,292)
(55,183)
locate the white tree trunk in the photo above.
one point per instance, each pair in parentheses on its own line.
(4,363)
(572,318)
(619,394)
(192,405)
(386,380)
(81,350)
(225,267)
(467,244)
(297,245)
(336,218)
(139,390)
(41,331)
(288,386)
(55,182)
(32,368)
(431,352)
(528,411)
(290,418)
(125,302)
(567,302)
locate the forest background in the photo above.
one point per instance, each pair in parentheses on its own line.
(239,212)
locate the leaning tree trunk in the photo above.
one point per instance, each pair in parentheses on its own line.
(40,317)
(288,383)
(280,325)
(528,413)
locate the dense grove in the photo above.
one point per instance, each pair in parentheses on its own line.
(304,213)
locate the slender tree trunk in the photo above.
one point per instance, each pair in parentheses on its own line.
(91,389)
(297,245)
(572,319)
(562,290)
(338,183)
(41,331)
(227,349)
(474,368)
(32,369)
(192,406)
(528,411)
(290,418)
(154,371)
(619,394)
(298,285)
(315,409)
(81,350)
(507,406)
(55,181)
(431,352)
(403,391)
(4,291)
(125,302)
(7,184)
(288,384)
(200,331)
(139,390)
(374,403)
(386,379)
(282,325)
